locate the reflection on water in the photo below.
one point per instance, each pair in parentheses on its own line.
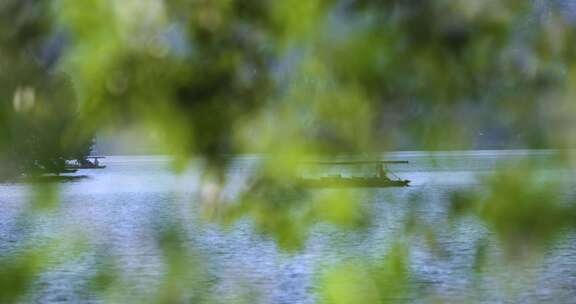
(122,208)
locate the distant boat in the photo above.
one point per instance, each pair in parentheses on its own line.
(380,179)
(89,162)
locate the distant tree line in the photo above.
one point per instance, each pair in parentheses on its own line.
(38,108)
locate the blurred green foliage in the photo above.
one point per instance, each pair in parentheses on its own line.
(385,282)
(295,79)
(38,109)
(525,212)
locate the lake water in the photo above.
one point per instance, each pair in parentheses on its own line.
(123,207)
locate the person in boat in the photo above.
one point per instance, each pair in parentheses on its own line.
(381,171)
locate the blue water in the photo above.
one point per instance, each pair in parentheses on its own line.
(119,211)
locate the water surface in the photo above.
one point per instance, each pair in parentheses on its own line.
(123,208)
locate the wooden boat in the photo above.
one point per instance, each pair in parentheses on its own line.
(380,180)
